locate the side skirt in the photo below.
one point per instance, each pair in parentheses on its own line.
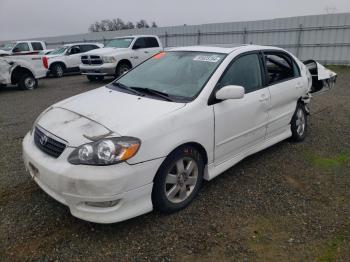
(214,171)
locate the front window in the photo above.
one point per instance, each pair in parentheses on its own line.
(180,74)
(8,46)
(120,42)
(59,51)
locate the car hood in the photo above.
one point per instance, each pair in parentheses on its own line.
(118,112)
(107,51)
(3,52)
(52,56)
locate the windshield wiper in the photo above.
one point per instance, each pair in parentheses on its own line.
(163,95)
(131,89)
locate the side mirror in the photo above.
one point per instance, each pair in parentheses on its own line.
(15,50)
(230,92)
(136,47)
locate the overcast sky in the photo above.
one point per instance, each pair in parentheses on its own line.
(35,18)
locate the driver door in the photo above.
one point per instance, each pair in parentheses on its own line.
(241,123)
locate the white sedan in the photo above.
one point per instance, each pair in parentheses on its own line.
(147,140)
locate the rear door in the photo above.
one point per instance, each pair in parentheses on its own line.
(152,46)
(322,78)
(286,86)
(139,51)
(241,123)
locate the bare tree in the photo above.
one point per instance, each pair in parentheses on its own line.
(142,24)
(130,25)
(118,24)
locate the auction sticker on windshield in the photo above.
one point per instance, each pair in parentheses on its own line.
(207,58)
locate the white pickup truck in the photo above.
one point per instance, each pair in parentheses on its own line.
(22,70)
(67,58)
(22,48)
(118,56)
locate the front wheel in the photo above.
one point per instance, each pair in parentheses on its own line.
(122,69)
(58,70)
(299,124)
(27,82)
(178,180)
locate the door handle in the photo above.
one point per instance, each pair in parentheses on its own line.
(146,52)
(263,98)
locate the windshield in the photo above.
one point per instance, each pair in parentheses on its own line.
(8,46)
(177,74)
(59,51)
(120,42)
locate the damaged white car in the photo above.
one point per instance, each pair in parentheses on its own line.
(23,71)
(147,140)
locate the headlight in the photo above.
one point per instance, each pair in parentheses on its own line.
(109,59)
(108,151)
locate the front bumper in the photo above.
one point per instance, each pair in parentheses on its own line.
(98,70)
(128,187)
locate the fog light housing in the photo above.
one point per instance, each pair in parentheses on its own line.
(104,204)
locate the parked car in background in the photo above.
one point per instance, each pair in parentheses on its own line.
(148,139)
(119,56)
(67,58)
(45,52)
(23,71)
(22,48)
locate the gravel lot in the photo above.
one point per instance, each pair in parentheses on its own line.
(289,202)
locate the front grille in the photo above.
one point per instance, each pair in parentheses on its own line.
(47,143)
(91,60)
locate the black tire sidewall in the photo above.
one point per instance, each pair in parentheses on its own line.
(55,70)
(295,136)
(159,199)
(22,84)
(119,67)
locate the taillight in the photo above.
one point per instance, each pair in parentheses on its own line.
(45,62)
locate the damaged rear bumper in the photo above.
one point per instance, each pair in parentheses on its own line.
(100,194)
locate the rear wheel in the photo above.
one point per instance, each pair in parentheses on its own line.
(122,69)
(299,124)
(178,180)
(27,82)
(95,78)
(58,70)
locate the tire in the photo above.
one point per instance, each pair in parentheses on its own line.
(95,78)
(58,70)
(27,82)
(122,69)
(299,123)
(173,187)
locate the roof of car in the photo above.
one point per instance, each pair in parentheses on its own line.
(221,48)
(126,36)
(84,43)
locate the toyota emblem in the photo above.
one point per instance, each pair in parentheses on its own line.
(43,140)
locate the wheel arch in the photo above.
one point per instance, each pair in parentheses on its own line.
(200,148)
(57,62)
(126,61)
(17,72)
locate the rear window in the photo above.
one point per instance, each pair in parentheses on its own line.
(151,42)
(86,48)
(37,46)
